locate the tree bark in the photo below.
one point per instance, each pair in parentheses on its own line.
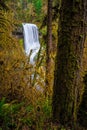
(71,38)
(82,112)
(49,48)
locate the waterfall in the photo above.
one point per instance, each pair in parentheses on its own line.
(31,40)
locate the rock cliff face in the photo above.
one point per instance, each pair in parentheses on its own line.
(18,33)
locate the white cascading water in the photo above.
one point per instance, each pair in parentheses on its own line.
(31,40)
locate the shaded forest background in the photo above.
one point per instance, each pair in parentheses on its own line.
(26,102)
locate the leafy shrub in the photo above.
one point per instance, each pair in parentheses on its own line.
(8,114)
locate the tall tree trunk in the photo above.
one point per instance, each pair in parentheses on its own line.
(82,112)
(71,38)
(49,47)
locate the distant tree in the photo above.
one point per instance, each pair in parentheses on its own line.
(71,38)
(24,4)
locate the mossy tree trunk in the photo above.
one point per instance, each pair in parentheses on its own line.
(82,112)
(49,48)
(71,38)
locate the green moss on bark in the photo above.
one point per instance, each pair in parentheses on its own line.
(68,63)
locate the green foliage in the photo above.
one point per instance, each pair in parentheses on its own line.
(47,109)
(21,42)
(38,6)
(16,83)
(24,106)
(9,114)
(14,115)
